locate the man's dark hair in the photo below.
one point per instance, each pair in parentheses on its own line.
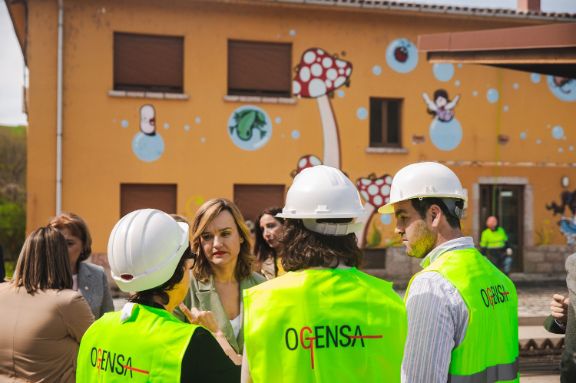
(304,248)
(452,215)
(146,297)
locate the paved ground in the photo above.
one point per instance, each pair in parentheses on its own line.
(539,378)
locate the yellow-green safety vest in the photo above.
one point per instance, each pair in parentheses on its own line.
(489,351)
(493,239)
(324,325)
(147,347)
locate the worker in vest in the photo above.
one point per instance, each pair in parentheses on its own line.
(462,311)
(494,244)
(324,320)
(149,255)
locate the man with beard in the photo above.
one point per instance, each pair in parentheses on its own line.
(462,311)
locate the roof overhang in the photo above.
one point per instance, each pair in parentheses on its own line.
(546,49)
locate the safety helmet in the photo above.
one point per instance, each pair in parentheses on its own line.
(144,249)
(423,180)
(323,192)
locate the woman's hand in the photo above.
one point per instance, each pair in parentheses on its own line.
(207,319)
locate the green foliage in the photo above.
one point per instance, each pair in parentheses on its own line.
(9,268)
(12,189)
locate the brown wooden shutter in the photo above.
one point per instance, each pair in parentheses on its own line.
(252,199)
(152,63)
(147,196)
(259,68)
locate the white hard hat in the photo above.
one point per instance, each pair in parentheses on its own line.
(423,180)
(144,249)
(323,192)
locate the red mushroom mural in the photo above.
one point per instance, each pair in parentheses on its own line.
(304,162)
(376,192)
(317,75)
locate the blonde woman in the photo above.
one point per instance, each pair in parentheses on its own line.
(223,268)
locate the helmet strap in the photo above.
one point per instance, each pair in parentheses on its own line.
(329,228)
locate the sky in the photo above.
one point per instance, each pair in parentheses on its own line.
(12,69)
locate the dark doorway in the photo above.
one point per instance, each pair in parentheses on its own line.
(506,202)
(147,196)
(252,199)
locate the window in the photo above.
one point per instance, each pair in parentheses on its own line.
(148,63)
(252,199)
(385,122)
(259,69)
(147,196)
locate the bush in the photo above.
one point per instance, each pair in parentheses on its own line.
(12,228)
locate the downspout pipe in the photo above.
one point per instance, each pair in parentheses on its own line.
(59,94)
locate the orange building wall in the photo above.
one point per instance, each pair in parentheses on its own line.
(205,163)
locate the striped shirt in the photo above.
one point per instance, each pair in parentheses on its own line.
(437,320)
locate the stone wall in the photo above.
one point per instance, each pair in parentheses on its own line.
(546,259)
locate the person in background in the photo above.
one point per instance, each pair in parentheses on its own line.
(89,279)
(267,243)
(43,319)
(563,321)
(494,245)
(150,257)
(324,320)
(222,270)
(462,311)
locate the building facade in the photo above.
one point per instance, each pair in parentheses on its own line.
(167,104)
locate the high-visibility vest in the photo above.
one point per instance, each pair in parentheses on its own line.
(493,239)
(489,351)
(324,325)
(147,347)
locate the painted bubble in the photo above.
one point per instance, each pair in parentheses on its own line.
(292,32)
(445,135)
(166,125)
(475,93)
(505,108)
(202,140)
(402,56)
(124,123)
(563,88)
(457,83)
(560,150)
(535,78)
(249,127)
(278,120)
(515,86)
(377,70)
(295,134)
(362,113)
(386,219)
(187,128)
(443,72)
(571,148)
(558,132)
(340,93)
(147,148)
(459,66)
(492,95)
(523,135)
(538,141)
(197,120)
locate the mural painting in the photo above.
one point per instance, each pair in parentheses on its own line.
(318,75)
(567,223)
(249,127)
(445,130)
(562,87)
(376,192)
(147,144)
(402,55)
